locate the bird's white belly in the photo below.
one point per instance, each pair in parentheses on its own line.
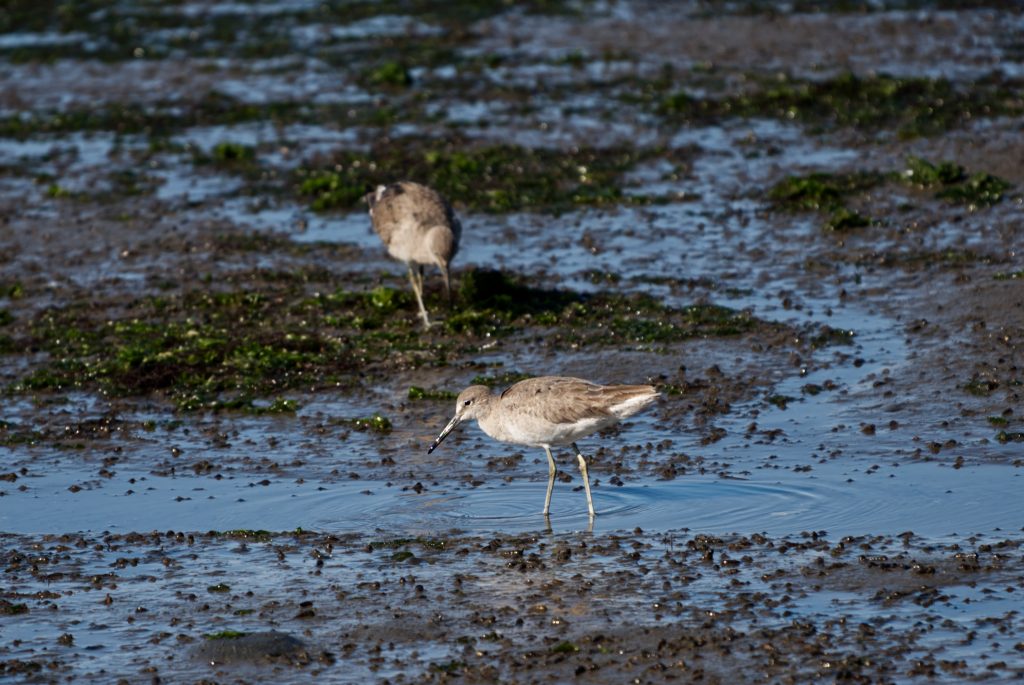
(407,245)
(529,430)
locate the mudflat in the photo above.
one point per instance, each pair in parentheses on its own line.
(802,226)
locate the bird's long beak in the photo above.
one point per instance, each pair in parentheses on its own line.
(444,434)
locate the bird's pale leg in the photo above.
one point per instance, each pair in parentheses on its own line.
(417,289)
(551,480)
(586,478)
(447,283)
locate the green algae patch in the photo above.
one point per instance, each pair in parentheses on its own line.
(500,380)
(484,178)
(496,303)
(980,387)
(12,289)
(564,648)
(924,174)
(826,193)
(373,424)
(161,120)
(780,401)
(826,336)
(391,73)
(978,190)
(1008,275)
(328,189)
(951,182)
(830,193)
(235,350)
(418,393)
(152,30)
(229,153)
(845,219)
(219,588)
(821,191)
(244,349)
(913,107)
(1009,436)
(214,351)
(10,609)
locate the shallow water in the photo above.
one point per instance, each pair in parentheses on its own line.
(841,496)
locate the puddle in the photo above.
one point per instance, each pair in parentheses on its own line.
(841,497)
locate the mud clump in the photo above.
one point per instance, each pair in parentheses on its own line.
(229,647)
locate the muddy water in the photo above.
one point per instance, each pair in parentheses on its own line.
(808,512)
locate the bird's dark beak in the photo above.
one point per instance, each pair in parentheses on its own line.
(444,434)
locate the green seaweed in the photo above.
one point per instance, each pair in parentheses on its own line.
(954,184)
(1009,436)
(12,289)
(826,193)
(241,350)
(564,647)
(845,219)
(450,667)
(980,387)
(821,191)
(161,120)
(375,423)
(500,380)
(780,401)
(913,106)
(391,73)
(827,335)
(488,178)
(232,153)
(10,609)
(1008,275)
(219,587)
(924,174)
(418,393)
(979,190)
(330,189)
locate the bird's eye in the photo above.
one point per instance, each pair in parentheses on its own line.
(467,403)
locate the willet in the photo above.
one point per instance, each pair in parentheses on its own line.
(419,228)
(546,411)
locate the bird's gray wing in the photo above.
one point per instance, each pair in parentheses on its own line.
(557,399)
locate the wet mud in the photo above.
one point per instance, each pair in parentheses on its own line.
(802,224)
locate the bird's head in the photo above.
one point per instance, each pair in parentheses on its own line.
(469,405)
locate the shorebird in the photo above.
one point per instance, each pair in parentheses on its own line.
(419,228)
(546,411)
